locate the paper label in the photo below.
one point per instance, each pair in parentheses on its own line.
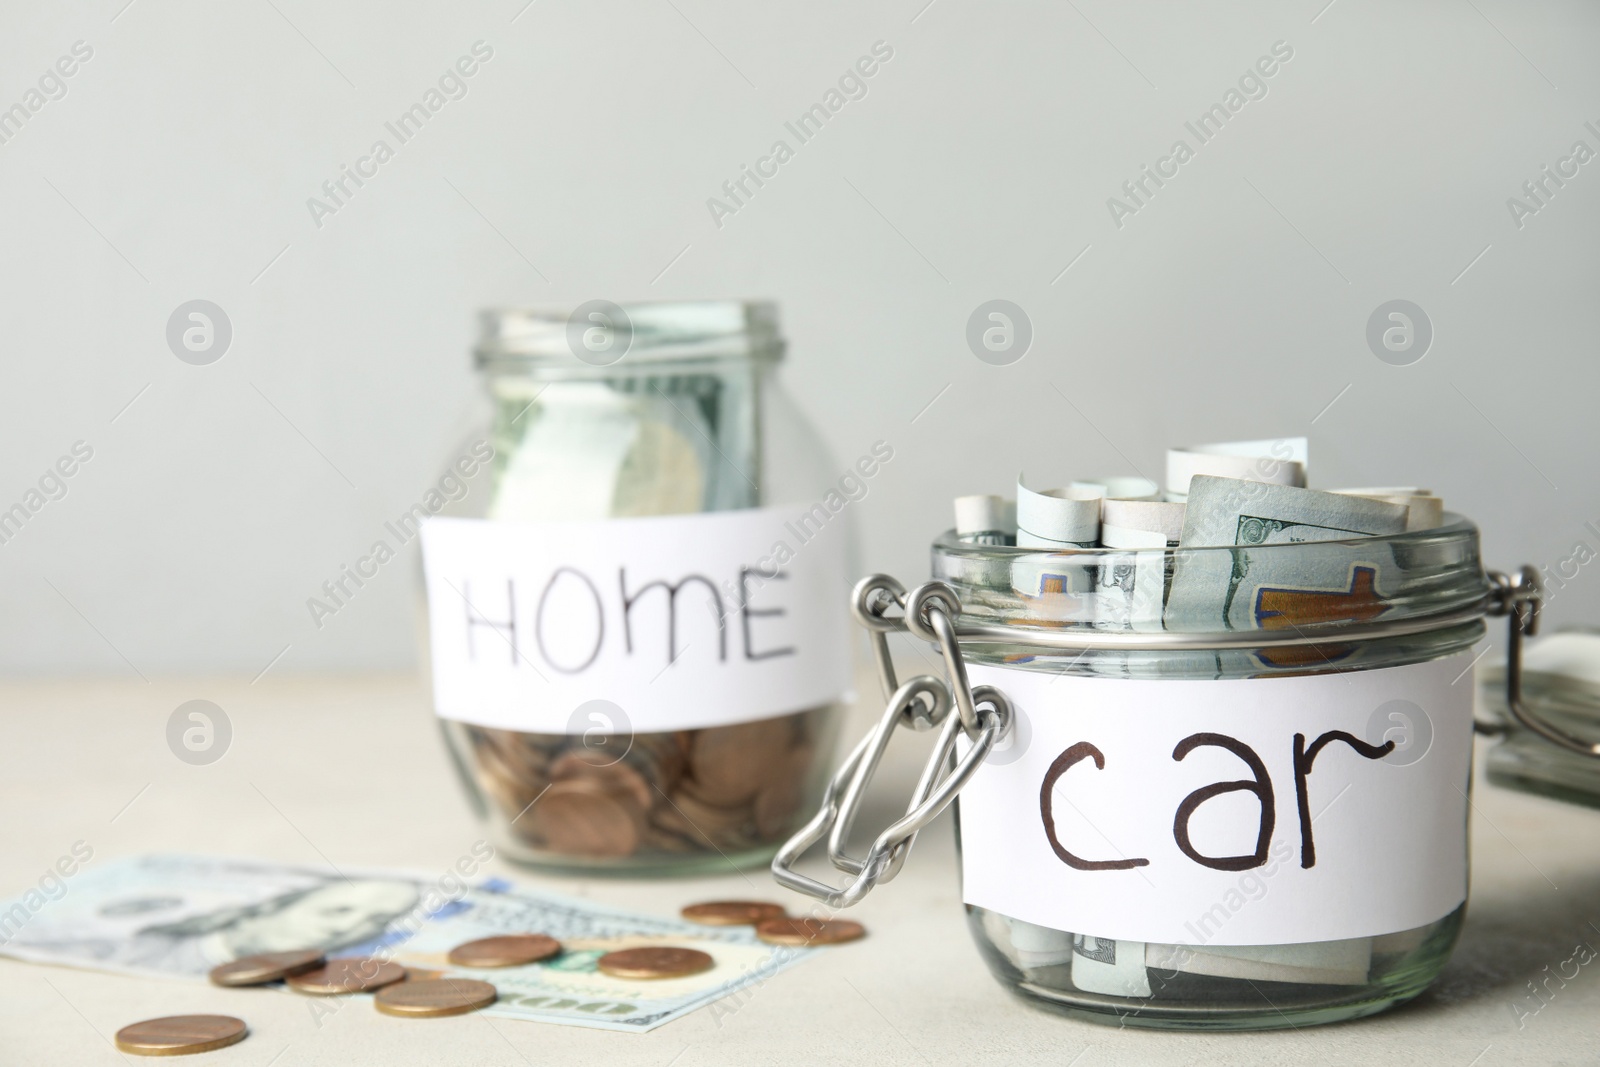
(1257,811)
(676,622)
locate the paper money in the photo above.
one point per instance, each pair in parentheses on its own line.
(1269,590)
(1230,511)
(1039,946)
(1055,519)
(1141,523)
(1424,510)
(177,916)
(588,451)
(988,520)
(1115,968)
(1118,488)
(1320,963)
(1280,462)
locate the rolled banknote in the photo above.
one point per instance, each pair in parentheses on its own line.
(987,520)
(1056,519)
(1118,488)
(1281,462)
(1141,523)
(1150,526)
(1114,968)
(1320,963)
(1426,511)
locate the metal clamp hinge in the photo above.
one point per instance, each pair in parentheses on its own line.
(922,703)
(1517,596)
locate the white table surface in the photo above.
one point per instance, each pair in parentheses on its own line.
(351,769)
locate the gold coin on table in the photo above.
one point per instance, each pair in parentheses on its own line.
(809,931)
(733,912)
(266,967)
(179,1035)
(347,974)
(510,950)
(434,997)
(661,962)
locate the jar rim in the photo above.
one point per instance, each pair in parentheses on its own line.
(518,339)
(1420,575)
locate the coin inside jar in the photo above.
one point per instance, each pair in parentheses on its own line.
(809,931)
(179,1035)
(434,997)
(511,950)
(655,962)
(733,912)
(347,974)
(266,967)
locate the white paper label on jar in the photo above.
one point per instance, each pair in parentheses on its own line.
(1255,811)
(670,623)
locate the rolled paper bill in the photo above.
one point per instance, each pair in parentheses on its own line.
(1039,946)
(1052,519)
(1121,488)
(1140,523)
(1322,963)
(1426,511)
(988,520)
(1115,968)
(1281,461)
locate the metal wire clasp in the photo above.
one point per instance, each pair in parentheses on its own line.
(1516,596)
(921,703)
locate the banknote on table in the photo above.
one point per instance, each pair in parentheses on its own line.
(177,916)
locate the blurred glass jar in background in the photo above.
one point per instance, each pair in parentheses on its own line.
(620,690)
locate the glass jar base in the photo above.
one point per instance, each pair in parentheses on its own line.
(1114,1012)
(666,865)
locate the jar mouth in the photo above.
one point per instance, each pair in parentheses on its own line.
(557,338)
(1332,588)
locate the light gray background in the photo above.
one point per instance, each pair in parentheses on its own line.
(220,497)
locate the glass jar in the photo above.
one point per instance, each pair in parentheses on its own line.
(1560,689)
(1318,694)
(605,421)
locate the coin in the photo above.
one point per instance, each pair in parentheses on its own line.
(179,1035)
(582,817)
(732,912)
(347,974)
(434,997)
(266,967)
(654,962)
(512,950)
(730,764)
(809,931)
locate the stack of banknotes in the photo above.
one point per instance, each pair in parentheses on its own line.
(1246,495)
(1243,496)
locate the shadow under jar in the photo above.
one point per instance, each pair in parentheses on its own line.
(1197,788)
(604,425)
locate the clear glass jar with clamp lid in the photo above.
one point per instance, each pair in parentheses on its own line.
(1187,822)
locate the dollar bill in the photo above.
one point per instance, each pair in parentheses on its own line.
(1424,510)
(1280,462)
(1265,590)
(986,519)
(178,916)
(1115,968)
(1321,963)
